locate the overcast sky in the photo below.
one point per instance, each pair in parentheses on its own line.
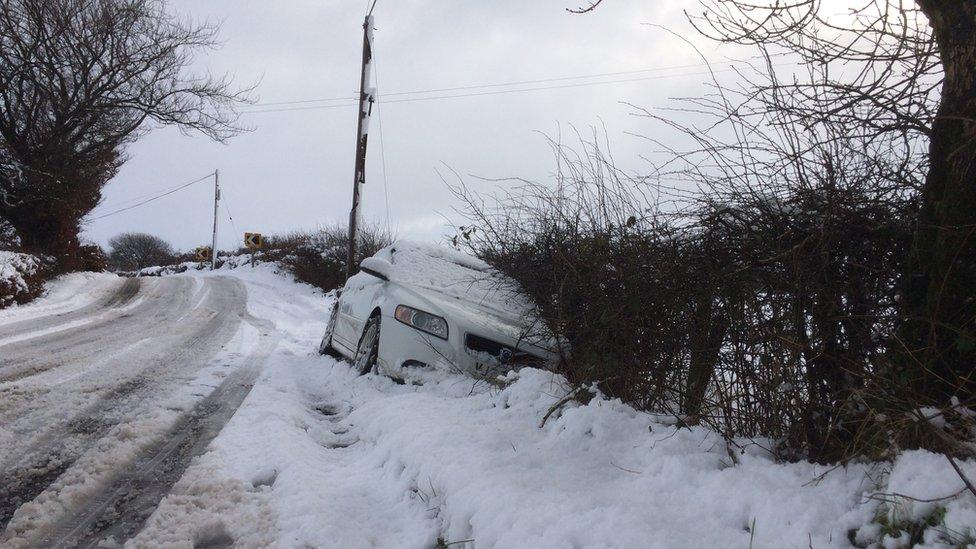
(294,170)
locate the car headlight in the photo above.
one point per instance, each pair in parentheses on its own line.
(425,322)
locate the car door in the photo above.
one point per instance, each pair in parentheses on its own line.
(355,306)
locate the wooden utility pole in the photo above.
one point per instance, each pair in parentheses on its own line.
(367,95)
(213,247)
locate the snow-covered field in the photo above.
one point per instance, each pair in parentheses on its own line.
(316,456)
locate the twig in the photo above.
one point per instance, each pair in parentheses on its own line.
(586,9)
(626,469)
(884,496)
(962,475)
(816,480)
(559,403)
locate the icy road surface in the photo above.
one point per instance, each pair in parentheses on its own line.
(107,389)
(192,411)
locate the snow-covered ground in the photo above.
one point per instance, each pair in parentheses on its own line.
(68,293)
(317,456)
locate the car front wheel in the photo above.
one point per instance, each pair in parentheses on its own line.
(369,346)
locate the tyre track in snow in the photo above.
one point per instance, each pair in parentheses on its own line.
(196,331)
(88,375)
(78,362)
(43,461)
(48,458)
(119,511)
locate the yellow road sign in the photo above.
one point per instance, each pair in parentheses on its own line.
(253,241)
(203,253)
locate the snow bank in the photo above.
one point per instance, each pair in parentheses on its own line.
(20,278)
(349,461)
(299,311)
(600,475)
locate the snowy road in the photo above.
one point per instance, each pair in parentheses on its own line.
(103,406)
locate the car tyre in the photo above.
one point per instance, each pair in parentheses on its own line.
(369,346)
(325,346)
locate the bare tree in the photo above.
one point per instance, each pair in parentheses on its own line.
(892,69)
(939,336)
(913,75)
(133,251)
(756,303)
(79,81)
(874,69)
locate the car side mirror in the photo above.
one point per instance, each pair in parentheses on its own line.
(378,267)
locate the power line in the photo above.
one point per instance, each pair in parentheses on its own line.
(511,83)
(541,88)
(379,120)
(315,107)
(146,195)
(500,92)
(229,216)
(157,197)
(302,101)
(562,78)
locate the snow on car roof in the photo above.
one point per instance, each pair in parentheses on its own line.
(455,274)
(408,248)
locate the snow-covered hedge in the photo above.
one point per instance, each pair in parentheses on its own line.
(224,262)
(21,278)
(164,270)
(317,258)
(8,236)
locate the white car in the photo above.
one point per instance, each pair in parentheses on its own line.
(422,305)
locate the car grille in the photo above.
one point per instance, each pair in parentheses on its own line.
(500,352)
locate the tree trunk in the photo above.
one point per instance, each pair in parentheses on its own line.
(708,332)
(939,348)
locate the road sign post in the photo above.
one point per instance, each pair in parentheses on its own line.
(253,242)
